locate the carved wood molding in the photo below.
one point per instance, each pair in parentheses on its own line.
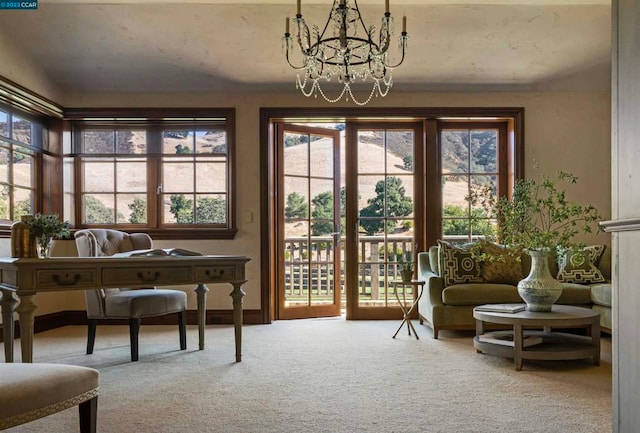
(621,225)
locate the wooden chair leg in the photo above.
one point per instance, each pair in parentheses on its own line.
(88,412)
(91,335)
(182,328)
(134,330)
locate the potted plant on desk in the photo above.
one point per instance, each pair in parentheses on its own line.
(405,263)
(44,228)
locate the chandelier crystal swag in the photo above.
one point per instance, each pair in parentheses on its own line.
(344,50)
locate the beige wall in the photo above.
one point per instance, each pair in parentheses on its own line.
(568,131)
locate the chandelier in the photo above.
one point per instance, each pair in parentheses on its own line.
(344,50)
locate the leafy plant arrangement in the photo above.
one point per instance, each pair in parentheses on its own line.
(405,261)
(44,228)
(538,215)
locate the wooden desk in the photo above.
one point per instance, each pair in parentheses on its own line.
(26,276)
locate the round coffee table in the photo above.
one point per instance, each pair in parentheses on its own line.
(532,336)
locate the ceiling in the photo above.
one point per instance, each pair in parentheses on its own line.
(215,45)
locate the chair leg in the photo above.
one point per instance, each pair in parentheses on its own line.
(91,335)
(134,330)
(88,411)
(182,328)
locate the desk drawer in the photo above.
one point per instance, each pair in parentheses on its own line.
(215,273)
(160,275)
(51,278)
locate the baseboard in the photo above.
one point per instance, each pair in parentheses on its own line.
(50,321)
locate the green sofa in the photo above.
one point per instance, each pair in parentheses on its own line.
(450,307)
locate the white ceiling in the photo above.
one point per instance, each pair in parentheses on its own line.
(216,45)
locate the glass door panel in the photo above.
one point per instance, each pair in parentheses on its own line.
(309,213)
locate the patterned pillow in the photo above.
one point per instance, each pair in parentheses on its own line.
(580,266)
(502,267)
(457,264)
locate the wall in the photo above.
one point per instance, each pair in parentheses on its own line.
(568,131)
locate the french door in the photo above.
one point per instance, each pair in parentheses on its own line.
(309,242)
(365,211)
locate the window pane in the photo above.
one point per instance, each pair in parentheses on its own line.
(132,209)
(99,175)
(98,209)
(211,176)
(454,191)
(211,141)
(4,162)
(131,142)
(484,151)
(211,209)
(296,154)
(98,141)
(371,152)
(22,169)
(131,176)
(321,156)
(22,202)
(4,126)
(178,208)
(177,177)
(400,151)
(177,142)
(21,130)
(455,151)
(4,202)
(297,203)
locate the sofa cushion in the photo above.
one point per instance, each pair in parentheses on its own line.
(458,265)
(581,266)
(574,294)
(434,262)
(601,294)
(478,294)
(502,267)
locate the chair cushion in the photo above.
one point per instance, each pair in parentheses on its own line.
(477,294)
(31,391)
(574,294)
(144,303)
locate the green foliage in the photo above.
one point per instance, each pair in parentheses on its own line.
(296,206)
(209,210)
(47,226)
(456,221)
(538,214)
(180,149)
(181,208)
(322,210)
(98,213)
(22,207)
(398,205)
(138,211)
(407,162)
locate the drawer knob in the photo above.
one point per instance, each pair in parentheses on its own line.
(66,280)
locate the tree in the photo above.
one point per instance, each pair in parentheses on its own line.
(211,210)
(181,208)
(97,213)
(180,149)
(407,162)
(138,211)
(322,210)
(456,220)
(296,206)
(397,205)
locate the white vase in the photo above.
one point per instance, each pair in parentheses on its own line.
(539,289)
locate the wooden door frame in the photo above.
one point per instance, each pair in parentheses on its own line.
(268,274)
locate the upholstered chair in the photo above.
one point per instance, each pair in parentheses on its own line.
(31,391)
(124,303)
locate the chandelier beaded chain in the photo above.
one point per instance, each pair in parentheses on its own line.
(344,50)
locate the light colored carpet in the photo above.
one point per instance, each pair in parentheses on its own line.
(325,375)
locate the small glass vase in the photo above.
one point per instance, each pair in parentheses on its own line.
(43,246)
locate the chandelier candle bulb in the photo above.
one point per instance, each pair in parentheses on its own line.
(299,7)
(404,24)
(386,6)
(287,26)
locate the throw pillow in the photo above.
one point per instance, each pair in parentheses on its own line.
(501,267)
(580,267)
(458,265)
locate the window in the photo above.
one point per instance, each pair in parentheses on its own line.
(22,140)
(160,176)
(472,155)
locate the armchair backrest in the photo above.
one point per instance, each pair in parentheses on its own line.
(106,242)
